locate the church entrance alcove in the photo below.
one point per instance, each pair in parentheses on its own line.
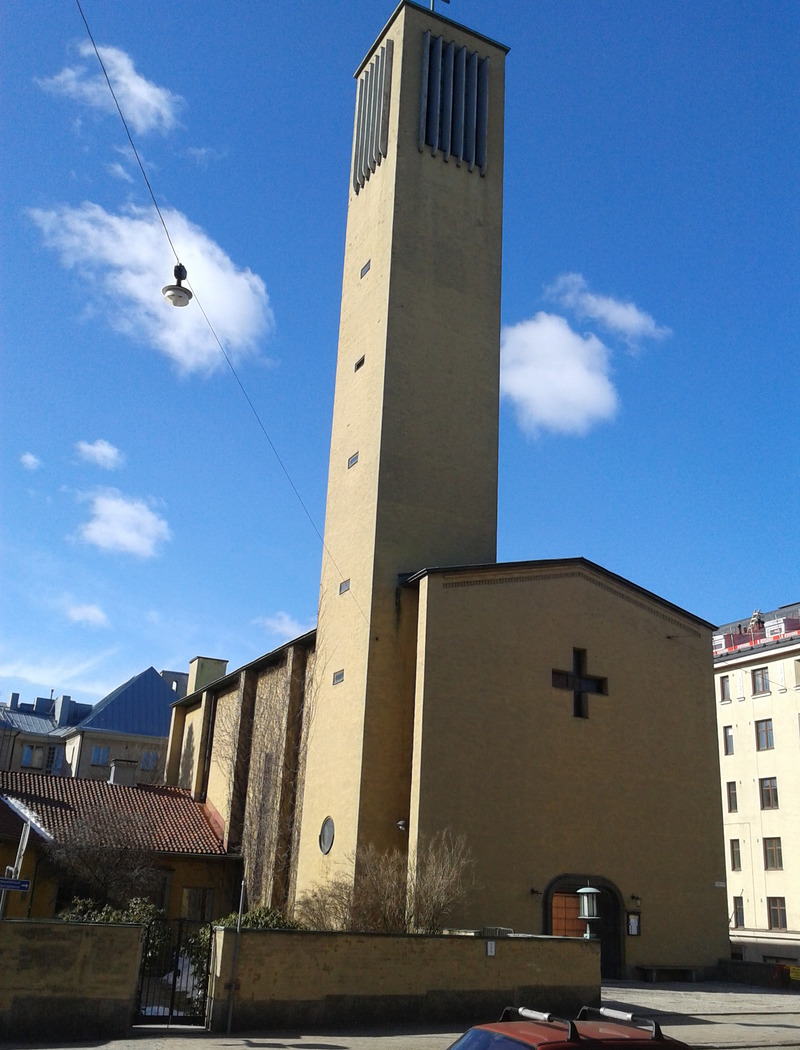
(560,916)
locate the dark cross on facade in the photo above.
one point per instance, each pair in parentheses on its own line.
(581,683)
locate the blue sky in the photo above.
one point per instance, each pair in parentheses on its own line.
(650,313)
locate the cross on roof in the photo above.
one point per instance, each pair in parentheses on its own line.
(581,683)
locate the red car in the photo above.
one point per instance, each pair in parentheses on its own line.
(592,1029)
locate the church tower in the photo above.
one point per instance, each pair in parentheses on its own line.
(413,465)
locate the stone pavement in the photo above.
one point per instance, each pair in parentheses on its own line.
(704,1015)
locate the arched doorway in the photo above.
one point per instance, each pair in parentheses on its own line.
(560,905)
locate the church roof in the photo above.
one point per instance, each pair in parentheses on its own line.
(436,16)
(506,567)
(154,817)
(230,679)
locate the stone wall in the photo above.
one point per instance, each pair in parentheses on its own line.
(304,980)
(66,982)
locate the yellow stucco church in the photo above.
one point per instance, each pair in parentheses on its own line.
(554,714)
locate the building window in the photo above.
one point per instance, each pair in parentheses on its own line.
(359,363)
(760,678)
(776,913)
(724,688)
(344,586)
(727,740)
(733,805)
(738,912)
(197,902)
(149,760)
(55,758)
(773,855)
(365,267)
(736,856)
(99,756)
(32,757)
(338,677)
(768,792)
(352,461)
(764,735)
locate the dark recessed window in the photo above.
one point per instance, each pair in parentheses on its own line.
(365,267)
(738,912)
(773,855)
(344,586)
(760,678)
(359,363)
(733,805)
(338,677)
(724,688)
(768,792)
(776,913)
(736,856)
(727,740)
(764,739)
(352,461)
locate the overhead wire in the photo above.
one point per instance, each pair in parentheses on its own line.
(206,318)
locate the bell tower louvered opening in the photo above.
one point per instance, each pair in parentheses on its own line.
(454,102)
(371,141)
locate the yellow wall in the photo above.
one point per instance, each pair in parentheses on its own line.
(288,978)
(630,794)
(191,744)
(67,982)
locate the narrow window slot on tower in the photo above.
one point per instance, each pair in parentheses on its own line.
(352,461)
(338,677)
(344,586)
(359,363)
(365,267)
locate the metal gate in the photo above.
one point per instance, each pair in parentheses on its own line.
(173,981)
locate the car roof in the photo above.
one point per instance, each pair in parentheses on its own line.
(554,1035)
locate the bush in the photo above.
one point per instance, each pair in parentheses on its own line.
(390,895)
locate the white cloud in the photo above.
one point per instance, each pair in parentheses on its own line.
(556,379)
(283,627)
(122,523)
(621,318)
(118,172)
(92,615)
(65,673)
(147,107)
(127,258)
(101,453)
(29,461)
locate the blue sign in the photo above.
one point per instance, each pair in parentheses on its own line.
(23,885)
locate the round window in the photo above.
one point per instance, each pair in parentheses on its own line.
(326,835)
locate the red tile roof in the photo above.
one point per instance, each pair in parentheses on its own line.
(151,817)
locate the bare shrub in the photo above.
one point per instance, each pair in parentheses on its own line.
(99,860)
(390,895)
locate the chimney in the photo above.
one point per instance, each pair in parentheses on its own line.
(203,670)
(63,709)
(123,771)
(14,705)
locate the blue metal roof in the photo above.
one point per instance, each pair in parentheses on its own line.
(26,723)
(141,706)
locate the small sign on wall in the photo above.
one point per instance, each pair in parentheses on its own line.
(634,923)
(490,949)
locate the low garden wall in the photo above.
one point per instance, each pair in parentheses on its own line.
(299,979)
(63,982)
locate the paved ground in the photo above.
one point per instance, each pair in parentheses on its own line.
(711,1015)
